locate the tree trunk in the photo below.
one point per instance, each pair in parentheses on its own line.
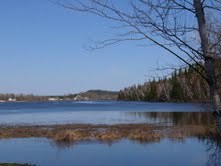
(212,81)
(209,58)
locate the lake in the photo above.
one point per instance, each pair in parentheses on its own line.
(43,152)
(92,112)
(189,150)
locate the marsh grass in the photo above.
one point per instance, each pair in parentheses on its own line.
(106,133)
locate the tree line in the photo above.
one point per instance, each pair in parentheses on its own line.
(184,85)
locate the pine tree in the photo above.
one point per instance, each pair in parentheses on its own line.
(153,91)
(176,92)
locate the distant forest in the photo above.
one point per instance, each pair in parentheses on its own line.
(184,85)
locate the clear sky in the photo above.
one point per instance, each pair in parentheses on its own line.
(42,52)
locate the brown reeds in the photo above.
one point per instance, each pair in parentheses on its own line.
(81,132)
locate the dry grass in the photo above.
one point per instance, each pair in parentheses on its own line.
(108,133)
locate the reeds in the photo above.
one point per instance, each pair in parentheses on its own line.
(107,133)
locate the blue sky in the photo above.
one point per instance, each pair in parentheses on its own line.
(42,51)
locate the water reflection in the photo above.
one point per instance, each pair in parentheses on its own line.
(188,138)
(199,144)
(95,112)
(175,118)
(212,141)
(108,117)
(167,152)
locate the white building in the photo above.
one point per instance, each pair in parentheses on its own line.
(11,99)
(52,99)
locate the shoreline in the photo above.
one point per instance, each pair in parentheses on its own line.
(126,101)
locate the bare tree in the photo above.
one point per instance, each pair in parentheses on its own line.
(187,29)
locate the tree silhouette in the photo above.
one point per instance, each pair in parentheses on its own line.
(187,29)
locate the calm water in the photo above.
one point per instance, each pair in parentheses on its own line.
(43,152)
(189,151)
(95,112)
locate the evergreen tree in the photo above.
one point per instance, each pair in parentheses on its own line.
(176,92)
(153,91)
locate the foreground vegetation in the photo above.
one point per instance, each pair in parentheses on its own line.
(106,133)
(169,124)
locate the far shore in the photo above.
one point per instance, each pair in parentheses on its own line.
(106,100)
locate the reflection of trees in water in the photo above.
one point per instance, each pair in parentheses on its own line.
(212,140)
(176,118)
(213,144)
(62,145)
(205,134)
